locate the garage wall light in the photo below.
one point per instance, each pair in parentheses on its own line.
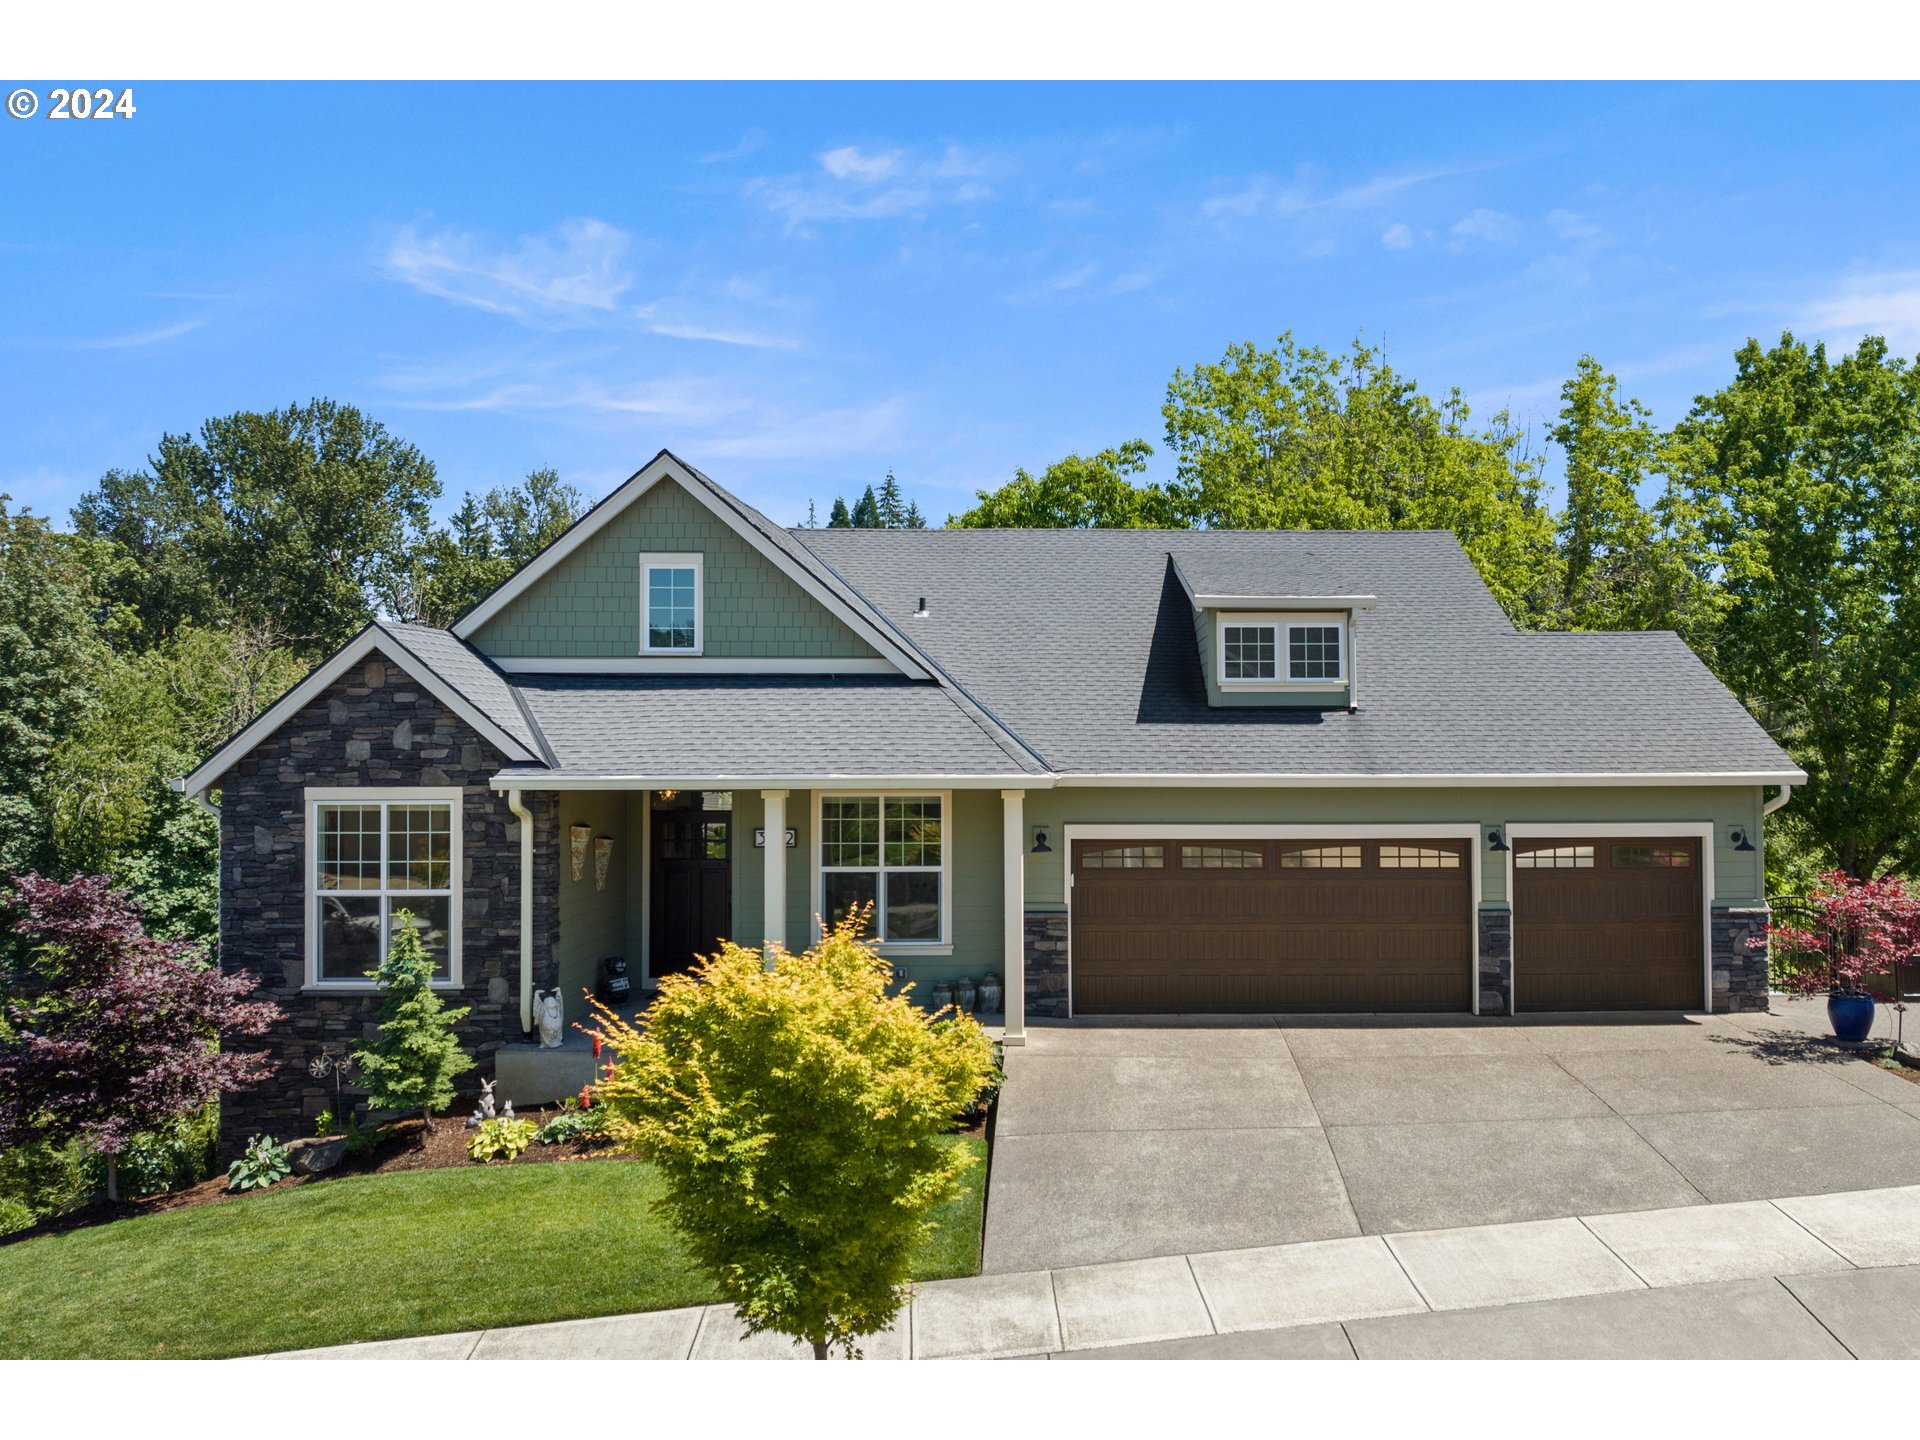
(1740,841)
(1496,842)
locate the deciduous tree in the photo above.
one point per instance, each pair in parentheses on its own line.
(794,1114)
(116,1032)
(1081,492)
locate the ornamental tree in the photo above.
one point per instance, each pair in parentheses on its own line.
(794,1114)
(115,1032)
(412,1065)
(1862,929)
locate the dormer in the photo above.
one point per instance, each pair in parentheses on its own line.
(1274,650)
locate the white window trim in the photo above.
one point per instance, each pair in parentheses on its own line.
(318,795)
(670,560)
(942,946)
(1282,622)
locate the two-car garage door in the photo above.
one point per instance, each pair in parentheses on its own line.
(1184,926)
(1225,926)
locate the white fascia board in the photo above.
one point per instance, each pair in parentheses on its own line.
(566,780)
(689,665)
(1438,781)
(1285,602)
(663,466)
(344,659)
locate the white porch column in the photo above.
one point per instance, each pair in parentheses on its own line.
(1013,894)
(773,922)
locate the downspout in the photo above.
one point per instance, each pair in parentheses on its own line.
(1786,794)
(525,818)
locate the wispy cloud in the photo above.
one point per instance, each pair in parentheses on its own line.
(1571,226)
(747,144)
(1488,226)
(138,339)
(1397,237)
(577,269)
(721,335)
(852,183)
(1083,282)
(1885,302)
(1260,195)
(869,429)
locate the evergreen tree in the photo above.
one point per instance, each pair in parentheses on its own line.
(914,520)
(889,505)
(412,1065)
(866,512)
(813,519)
(838,518)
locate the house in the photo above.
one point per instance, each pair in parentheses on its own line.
(1129,771)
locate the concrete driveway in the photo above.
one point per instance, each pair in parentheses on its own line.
(1124,1141)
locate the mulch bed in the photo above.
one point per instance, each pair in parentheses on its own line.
(446,1147)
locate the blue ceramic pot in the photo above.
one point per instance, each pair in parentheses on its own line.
(1851,1016)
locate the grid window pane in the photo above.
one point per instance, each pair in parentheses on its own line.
(1557,857)
(1221,857)
(1418,857)
(844,891)
(349,847)
(1651,857)
(349,935)
(431,917)
(713,842)
(1124,857)
(419,847)
(670,607)
(1320,857)
(1313,652)
(913,905)
(1248,652)
(913,830)
(850,832)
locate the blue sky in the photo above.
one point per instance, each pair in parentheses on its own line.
(798,286)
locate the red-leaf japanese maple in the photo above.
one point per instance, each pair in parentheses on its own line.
(1862,930)
(115,1032)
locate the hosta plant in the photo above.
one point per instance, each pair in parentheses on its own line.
(265,1162)
(500,1139)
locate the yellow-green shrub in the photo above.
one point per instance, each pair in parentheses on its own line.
(793,1113)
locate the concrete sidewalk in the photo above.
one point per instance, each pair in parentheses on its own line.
(1820,1275)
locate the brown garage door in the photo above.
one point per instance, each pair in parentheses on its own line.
(1603,924)
(1249,926)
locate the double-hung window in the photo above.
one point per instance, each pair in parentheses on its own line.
(373,855)
(671,606)
(888,852)
(1282,650)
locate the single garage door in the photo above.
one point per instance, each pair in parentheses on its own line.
(1604,924)
(1251,926)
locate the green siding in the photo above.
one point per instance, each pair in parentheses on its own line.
(593,923)
(589,604)
(1738,877)
(1228,697)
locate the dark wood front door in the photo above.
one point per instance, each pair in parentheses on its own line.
(1606,924)
(692,884)
(1255,926)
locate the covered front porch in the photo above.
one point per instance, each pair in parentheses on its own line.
(653,873)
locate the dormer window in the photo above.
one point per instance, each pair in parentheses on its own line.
(1277,650)
(671,604)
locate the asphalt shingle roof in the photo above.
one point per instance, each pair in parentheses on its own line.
(760,727)
(472,674)
(1082,643)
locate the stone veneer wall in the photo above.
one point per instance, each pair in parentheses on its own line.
(1496,962)
(1739,964)
(1046,932)
(373,727)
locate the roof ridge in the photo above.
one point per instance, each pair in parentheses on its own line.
(392,630)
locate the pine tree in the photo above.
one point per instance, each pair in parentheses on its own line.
(866,512)
(890,505)
(813,518)
(838,518)
(913,519)
(412,1065)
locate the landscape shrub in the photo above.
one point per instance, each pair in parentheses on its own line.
(500,1139)
(795,1115)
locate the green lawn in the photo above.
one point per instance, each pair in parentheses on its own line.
(410,1253)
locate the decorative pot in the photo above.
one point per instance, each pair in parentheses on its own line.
(964,995)
(310,1157)
(941,996)
(1851,1016)
(991,994)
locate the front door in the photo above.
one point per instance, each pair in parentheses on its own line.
(692,876)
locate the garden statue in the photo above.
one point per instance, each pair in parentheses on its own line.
(508,1113)
(549,1017)
(484,1110)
